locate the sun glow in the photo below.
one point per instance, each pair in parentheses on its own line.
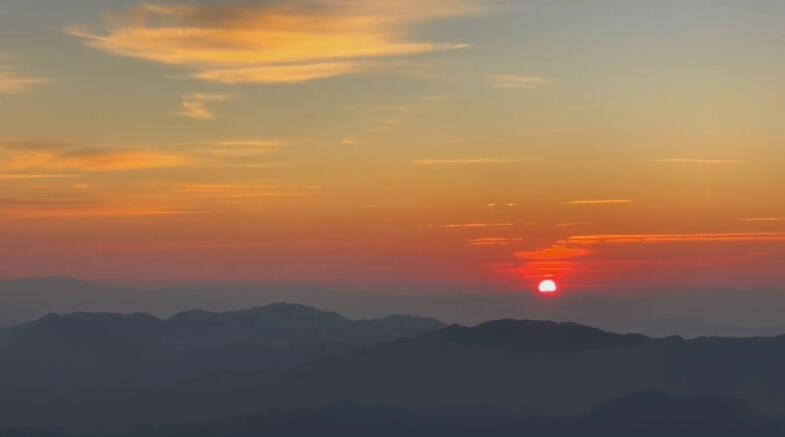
(548,286)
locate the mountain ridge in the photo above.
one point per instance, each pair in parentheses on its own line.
(104,348)
(505,364)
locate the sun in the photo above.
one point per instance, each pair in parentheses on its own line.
(548,286)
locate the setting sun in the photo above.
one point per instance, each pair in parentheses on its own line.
(431,218)
(548,286)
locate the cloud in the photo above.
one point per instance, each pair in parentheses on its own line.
(556,252)
(763,219)
(196,105)
(90,212)
(600,202)
(494,241)
(477,225)
(728,237)
(71,207)
(701,161)
(40,158)
(592,257)
(245,148)
(386,124)
(33,176)
(282,74)
(276,42)
(239,191)
(566,256)
(517,81)
(464,161)
(571,224)
(14,83)
(576,246)
(6,203)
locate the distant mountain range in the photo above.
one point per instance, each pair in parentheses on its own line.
(655,313)
(100,348)
(641,414)
(103,371)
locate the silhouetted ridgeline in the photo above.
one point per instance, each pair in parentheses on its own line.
(719,313)
(311,370)
(86,348)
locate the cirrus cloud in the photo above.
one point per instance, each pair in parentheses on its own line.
(19,157)
(703,161)
(464,161)
(600,202)
(196,105)
(12,82)
(275,42)
(518,81)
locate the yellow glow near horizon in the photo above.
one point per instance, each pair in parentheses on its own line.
(381,141)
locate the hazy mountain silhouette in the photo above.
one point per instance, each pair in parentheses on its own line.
(530,367)
(640,414)
(97,348)
(690,313)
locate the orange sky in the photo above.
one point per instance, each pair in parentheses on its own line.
(609,145)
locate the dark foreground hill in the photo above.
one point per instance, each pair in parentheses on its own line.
(96,348)
(531,368)
(643,414)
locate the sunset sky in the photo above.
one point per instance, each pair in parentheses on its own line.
(488,144)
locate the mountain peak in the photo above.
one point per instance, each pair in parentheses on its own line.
(536,334)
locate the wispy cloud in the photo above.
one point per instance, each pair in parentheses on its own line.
(601,202)
(517,81)
(494,241)
(197,105)
(763,219)
(567,256)
(464,161)
(283,74)
(81,207)
(55,158)
(476,225)
(729,237)
(701,161)
(581,246)
(571,224)
(238,191)
(245,148)
(12,82)
(275,42)
(34,176)
(89,212)
(556,252)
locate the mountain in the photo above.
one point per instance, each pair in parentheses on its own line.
(530,367)
(22,300)
(640,414)
(27,299)
(690,313)
(100,348)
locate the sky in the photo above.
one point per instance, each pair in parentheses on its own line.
(615,146)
